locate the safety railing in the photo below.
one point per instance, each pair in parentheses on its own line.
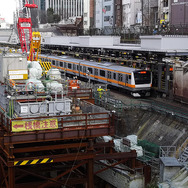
(113,104)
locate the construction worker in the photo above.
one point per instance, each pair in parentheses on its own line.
(100,91)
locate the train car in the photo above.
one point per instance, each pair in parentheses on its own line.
(180,80)
(136,81)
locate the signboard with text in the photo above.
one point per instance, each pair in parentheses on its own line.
(18,126)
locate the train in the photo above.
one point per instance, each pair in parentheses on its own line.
(137,82)
(180,80)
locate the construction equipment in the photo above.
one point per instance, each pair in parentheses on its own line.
(24,26)
(35,45)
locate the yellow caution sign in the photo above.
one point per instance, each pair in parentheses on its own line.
(33,162)
(46,66)
(19,126)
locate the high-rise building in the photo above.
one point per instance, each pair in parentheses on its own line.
(66,8)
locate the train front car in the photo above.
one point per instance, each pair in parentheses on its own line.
(142,80)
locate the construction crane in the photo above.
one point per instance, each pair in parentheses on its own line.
(24,26)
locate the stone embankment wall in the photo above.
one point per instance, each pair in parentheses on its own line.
(161,129)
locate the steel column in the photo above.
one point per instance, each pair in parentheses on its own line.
(11,177)
(90,174)
(159,76)
(167,78)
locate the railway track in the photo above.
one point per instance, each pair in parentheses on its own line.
(158,104)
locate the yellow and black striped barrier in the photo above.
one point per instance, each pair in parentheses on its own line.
(46,66)
(33,162)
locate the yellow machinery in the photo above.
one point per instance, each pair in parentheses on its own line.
(35,47)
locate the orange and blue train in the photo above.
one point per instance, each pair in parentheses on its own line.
(136,81)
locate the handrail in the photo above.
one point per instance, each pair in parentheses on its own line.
(118,105)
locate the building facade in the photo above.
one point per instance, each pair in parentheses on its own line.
(131,12)
(104,13)
(118,13)
(66,8)
(164,10)
(88,14)
(179,12)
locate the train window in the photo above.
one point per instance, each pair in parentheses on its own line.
(74,67)
(65,65)
(96,71)
(69,65)
(126,78)
(109,74)
(90,70)
(78,67)
(53,62)
(102,73)
(120,77)
(84,69)
(129,77)
(114,76)
(81,68)
(61,64)
(143,77)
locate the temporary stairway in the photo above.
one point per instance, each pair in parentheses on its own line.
(184,156)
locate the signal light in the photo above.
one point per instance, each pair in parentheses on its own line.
(143,72)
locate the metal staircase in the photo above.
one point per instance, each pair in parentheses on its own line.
(184,156)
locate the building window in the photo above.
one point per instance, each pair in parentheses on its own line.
(85,14)
(106,18)
(165,3)
(108,8)
(85,22)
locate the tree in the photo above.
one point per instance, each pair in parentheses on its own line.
(51,17)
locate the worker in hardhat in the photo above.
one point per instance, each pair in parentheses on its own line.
(100,91)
